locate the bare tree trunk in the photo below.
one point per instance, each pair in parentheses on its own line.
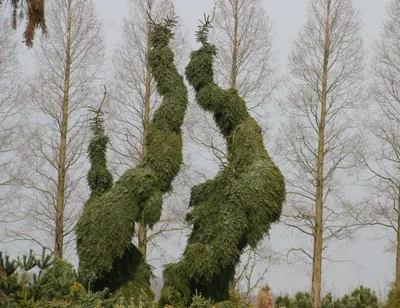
(59,236)
(397,282)
(142,233)
(235,45)
(318,234)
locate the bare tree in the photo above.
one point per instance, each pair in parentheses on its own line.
(69,62)
(10,121)
(383,159)
(245,61)
(252,272)
(134,93)
(317,143)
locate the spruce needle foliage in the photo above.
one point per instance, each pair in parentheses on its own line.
(107,225)
(99,177)
(33,11)
(237,207)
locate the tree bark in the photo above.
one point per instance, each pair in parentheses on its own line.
(397,282)
(318,232)
(59,236)
(235,45)
(142,233)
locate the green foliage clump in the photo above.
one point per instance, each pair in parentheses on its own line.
(16,279)
(300,300)
(55,282)
(107,225)
(359,298)
(99,178)
(198,301)
(237,207)
(56,285)
(235,301)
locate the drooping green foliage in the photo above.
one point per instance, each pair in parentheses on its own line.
(34,11)
(99,178)
(237,207)
(107,225)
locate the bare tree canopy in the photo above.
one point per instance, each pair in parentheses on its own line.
(319,137)
(382,161)
(66,84)
(11,122)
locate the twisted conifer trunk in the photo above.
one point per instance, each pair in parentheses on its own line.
(237,207)
(106,228)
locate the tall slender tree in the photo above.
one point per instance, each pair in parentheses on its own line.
(69,62)
(11,122)
(319,138)
(383,160)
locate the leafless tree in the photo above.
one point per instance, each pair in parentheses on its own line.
(69,61)
(382,160)
(11,121)
(245,61)
(252,272)
(317,141)
(134,95)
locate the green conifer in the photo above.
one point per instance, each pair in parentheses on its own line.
(99,177)
(107,225)
(237,207)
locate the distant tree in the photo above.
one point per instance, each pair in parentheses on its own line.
(319,137)
(69,62)
(382,161)
(359,298)
(11,124)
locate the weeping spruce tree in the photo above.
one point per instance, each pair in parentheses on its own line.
(237,207)
(99,177)
(107,225)
(34,12)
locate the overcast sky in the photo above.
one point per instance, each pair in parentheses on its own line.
(287,17)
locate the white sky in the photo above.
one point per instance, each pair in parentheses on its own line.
(287,17)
